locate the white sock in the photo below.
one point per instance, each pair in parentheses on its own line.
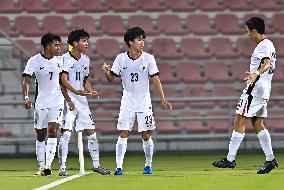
(50,150)
(265,142)
(63,148)
(121,146)
(93,147)
(40,153)
(234,145)
(148,147)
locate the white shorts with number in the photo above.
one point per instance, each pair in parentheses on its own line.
(250,106)
(81,117)
(44,116)
(145,120)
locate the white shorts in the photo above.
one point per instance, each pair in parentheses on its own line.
(251,106)
(44,116)
(145,120)
(81,117)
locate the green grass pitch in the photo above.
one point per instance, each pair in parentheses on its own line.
(171,171)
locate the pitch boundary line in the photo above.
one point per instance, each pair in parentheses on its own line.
(59,182)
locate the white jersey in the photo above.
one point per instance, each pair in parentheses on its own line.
(77,71)
(46,72)
(262,85)
(135,80)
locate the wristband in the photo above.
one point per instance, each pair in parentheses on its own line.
(257,72)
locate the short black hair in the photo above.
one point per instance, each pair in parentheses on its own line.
(76,35)
(257,24)
(48,39)
(133,33)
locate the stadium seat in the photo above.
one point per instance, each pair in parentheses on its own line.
(275,125)
(165,48)
(277,90)
(28,26)
(110,93)
(268,26)
(216,72)
(150,5)
(270,5)
(220,123)
(223,91)
(56,25)
(197,92)
(194,48)
(278,72)
(200,25)
(32,6)
(239,70)
(222,48)
(120,6)
(209,5)
(279,44)
(112,25)
(171,25)
(166,73)
(193,125)
(104,123)
(63,6)
(165,126)
(28,45)
(179,5)
(86,22)
(107,48)
(277,22)
(4,132)
(8,6)
(97,74)
(240,5)
(245,47)
(228,24)
(5,26)
(189,72)
(91,6)
(143,21)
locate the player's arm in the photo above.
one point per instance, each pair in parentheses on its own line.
(26,88)
(251,76)
(159,89)
(89,87)
(110,76)
(64,82)
(67,98)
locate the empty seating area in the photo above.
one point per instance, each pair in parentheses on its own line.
(201,48)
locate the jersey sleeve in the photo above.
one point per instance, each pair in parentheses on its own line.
(29,69)
(153,69)
(116,67)
(65,65)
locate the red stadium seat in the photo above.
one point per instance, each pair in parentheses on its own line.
(171,25)
(200,25)
(32,6)
(245,46)
(209,5)
(112,94)
(279,44)
(8,6)
(216,72)
(221,122)
(91,6)
(104,123)
(150,5)
(98,75)
(165,126)
(189,72)
(28,45)
(222,48)
(278,72)
(120,5)
(143,21)
(165,48)
(179,5)
(223,91)
(63,6)
(55,25)
(240,5)
(270,5)
(4,132)
(192,126)
(107,48)
(194,48)
(239,70)
(277,22)
(268,26)
(28,26)
(228,24)
(197,92)
(277,90)
(112,25)
(5,26)
(86,22)
(166,73)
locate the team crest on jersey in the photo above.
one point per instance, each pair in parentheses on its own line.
(143,67)
(58,65)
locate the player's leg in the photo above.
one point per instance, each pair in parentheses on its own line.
(265,142)
(146,124)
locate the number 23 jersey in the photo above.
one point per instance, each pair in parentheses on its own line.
(135,74)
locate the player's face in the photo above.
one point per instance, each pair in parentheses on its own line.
(251,34)
(82,45)
(54,48)
(137,44)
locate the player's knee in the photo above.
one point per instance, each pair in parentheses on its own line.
(66,136)
(124,134)
(146,136)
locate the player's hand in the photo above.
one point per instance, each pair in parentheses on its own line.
(250,77)
(82,93)
(71,105)
(167,105)
(28,103)
(106,68)
(95,94)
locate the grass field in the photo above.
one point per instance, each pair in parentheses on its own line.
(172,171)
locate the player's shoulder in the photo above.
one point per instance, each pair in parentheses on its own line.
(85,57)
(147,55)
(35,57)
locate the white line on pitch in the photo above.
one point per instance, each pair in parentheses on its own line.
(56,183)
